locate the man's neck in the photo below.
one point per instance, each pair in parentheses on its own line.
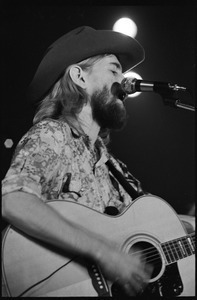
(89,126)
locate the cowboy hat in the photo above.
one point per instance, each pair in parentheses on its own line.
(77,45)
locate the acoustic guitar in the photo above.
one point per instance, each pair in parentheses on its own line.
(34,269)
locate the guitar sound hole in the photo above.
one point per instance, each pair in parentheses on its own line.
(149,255)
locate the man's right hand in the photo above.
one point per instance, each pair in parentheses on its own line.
(129,271)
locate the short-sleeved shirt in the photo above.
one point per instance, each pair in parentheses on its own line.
(53,161)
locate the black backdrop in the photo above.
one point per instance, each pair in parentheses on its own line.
(158,142)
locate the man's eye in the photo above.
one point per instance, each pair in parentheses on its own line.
(114,72)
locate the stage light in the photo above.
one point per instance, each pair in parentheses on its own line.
(8,143)
(133,75)
(126,26)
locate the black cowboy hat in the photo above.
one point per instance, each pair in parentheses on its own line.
(77,45)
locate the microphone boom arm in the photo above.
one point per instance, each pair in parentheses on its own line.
(176,103)
(185,106)
(170,98)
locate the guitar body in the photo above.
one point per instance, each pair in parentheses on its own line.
(149,220)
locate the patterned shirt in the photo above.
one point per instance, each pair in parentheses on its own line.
(53,161)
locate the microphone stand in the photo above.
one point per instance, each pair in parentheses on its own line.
(170,97)
(185,106)
(175,102)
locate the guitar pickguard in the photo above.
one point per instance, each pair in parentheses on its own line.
(169,285)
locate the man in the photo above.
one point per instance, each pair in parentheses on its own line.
(64,156)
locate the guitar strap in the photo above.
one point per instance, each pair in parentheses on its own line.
(98,280)
(126,185)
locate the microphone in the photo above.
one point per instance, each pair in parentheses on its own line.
(131,85)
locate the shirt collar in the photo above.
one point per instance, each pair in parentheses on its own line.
(104,155)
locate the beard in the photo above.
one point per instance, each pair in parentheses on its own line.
(107,111)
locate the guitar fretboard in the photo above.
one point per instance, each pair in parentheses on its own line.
(177,249)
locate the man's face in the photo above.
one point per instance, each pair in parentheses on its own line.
(107,110)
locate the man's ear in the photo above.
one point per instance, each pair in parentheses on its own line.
(77,76)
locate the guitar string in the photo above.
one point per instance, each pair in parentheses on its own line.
(149,251)
(169,246)
(169,249)
(156,259)
(187,247)
(44,279)
(174,256)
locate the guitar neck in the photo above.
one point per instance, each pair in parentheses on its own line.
(177,249)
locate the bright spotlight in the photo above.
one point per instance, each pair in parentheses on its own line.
(133,75)
(126,26)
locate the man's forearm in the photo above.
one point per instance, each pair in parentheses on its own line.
(36,218)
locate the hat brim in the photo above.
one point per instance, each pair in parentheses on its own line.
(80,44)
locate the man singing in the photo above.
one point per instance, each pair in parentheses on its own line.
(64,155)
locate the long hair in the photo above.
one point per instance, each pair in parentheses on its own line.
(66,99)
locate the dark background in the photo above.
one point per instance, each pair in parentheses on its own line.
(158,142)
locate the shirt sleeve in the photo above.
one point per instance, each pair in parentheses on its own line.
(36,159)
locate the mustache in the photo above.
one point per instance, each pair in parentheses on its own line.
(117,91)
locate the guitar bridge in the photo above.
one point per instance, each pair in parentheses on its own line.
(98,281)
